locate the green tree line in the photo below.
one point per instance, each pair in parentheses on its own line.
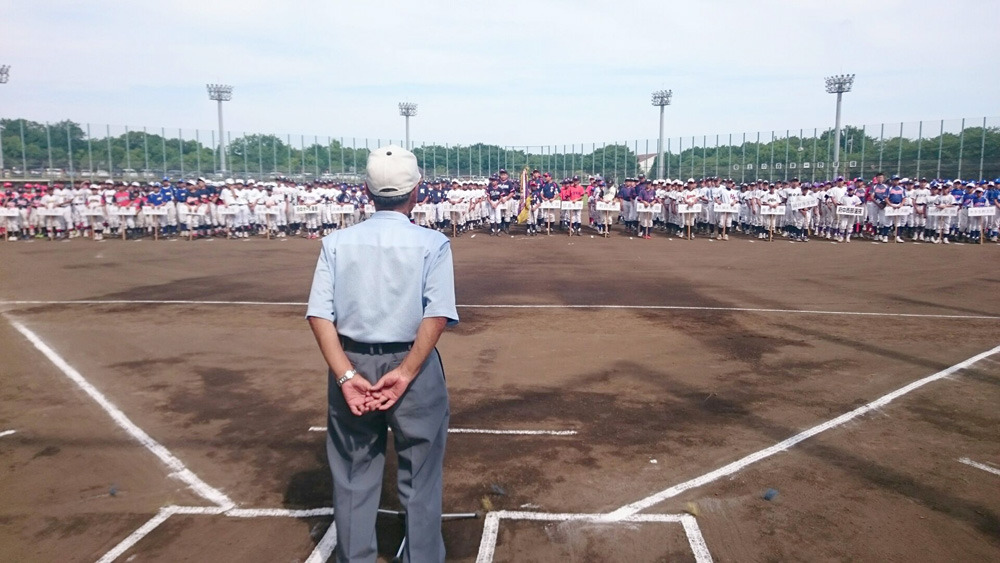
(33,149)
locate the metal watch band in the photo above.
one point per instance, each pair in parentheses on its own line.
(349,374)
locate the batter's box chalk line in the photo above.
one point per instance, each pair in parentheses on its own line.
(491,528)
(494,432)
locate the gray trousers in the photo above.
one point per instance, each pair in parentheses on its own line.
(356,451)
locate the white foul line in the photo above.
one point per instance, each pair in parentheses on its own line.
(978,465)
(512,306)
(488,431)
(7,433)
(630,509)
(180,471)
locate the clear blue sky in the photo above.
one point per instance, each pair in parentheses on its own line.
(512,72)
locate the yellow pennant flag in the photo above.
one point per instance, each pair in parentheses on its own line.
(522,217)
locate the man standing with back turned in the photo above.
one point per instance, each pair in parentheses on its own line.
(382,294)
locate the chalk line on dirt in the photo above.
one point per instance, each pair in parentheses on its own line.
(179,470)
(138,534)
(7,433)
(489,431)
(632,508)
(977,465)
(513,306)
(487,544)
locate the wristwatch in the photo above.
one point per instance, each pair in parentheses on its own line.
(347,375)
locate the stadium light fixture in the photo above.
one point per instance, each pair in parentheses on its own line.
(838,85)
(221,93)
(407,110)
(661,98)
(4,77)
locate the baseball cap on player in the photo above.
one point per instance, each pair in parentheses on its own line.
(392,171)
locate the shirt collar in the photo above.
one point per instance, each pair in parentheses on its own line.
(390,215)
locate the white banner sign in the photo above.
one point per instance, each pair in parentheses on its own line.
(572,205)
(850,210)
(684,208)
(898,211)
(124,211)
(5,212)
(151,211)
(982,211)
(94,212)
(306,209)
(726,208)
(768,210)
(803,202)
(555,204)
(608,206)
(226,211)
(369,209)
(942,212)
(43,212)
(460,207)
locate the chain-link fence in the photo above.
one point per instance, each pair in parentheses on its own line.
(965,148)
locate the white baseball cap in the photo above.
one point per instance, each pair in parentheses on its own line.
(392,171)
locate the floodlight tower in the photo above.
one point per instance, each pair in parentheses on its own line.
(221,93)
(4,77)
(407,110)
(661,98)
(838,85)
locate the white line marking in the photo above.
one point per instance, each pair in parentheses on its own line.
(138,534)
(630,509)
(7,433)
(178,468)
(515,306)
(733,309)
(695,539)
(512,432)
(978,465)
(278,512)
(324,549)
(487,544)
(487,431)
(199,510)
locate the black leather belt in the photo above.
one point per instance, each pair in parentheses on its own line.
(373,349)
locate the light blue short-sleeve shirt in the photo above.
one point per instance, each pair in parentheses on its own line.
(379,279)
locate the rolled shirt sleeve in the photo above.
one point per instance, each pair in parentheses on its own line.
(439,285)
(321,294)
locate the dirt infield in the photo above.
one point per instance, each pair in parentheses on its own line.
(668,359)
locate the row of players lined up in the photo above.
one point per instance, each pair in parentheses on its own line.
(919,210)
(191,209)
